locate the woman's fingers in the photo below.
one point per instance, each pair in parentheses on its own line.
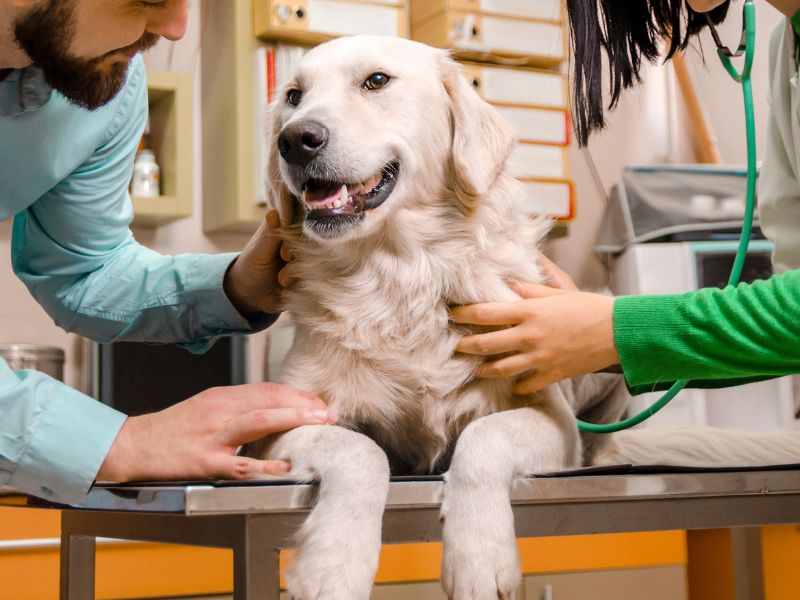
(555,276)
(504,368)
(495,342)
(528,290)
(538,380)
(490,313)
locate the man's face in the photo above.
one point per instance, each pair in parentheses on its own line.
(84,46)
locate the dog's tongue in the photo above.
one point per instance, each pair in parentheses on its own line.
(324,196)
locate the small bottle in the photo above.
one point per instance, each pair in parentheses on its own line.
(146,175)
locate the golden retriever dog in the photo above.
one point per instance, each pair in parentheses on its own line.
(388,173)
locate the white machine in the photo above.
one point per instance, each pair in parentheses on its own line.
(676,267)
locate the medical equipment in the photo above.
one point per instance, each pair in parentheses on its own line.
(746,47)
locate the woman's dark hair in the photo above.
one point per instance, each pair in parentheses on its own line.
(627,31)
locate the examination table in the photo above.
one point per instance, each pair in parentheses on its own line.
(257,519)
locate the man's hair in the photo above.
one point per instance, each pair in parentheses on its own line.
(627,31)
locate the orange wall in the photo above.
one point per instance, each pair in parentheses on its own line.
(148,570)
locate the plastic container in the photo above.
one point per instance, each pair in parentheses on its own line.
(146,176)
(47,359)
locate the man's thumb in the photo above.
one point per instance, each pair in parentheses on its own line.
(270,238)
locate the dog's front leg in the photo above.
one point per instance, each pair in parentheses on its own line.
(480,559)
(338,545)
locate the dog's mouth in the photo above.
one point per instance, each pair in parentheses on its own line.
(325,199)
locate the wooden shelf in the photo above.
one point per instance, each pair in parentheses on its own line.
(231,177)
(171,139)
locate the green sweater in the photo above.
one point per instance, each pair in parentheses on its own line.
(740,333)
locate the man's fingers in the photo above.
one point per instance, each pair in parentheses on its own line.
(269,239)
(496,342)
(489,313)
(285,276)
(272,395)
(257,424)
(285,254)
(505,367)
(242,467)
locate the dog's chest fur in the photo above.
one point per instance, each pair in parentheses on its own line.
(373,335)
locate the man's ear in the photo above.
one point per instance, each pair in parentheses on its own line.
(482,140)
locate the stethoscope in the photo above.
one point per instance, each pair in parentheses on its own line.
(746,47)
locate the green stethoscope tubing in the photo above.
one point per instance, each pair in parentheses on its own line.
(749,35)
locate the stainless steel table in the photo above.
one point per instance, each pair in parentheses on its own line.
(257,520)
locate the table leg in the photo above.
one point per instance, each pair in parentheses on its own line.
(77,567)
(748,563)
(256,564)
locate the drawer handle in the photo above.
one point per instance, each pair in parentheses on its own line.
(299,12)
(475,31)
(476,83)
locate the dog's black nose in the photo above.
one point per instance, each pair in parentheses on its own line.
(300,142)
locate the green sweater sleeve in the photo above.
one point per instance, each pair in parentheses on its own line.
(733,333)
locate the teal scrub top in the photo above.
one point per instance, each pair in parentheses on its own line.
(64,175)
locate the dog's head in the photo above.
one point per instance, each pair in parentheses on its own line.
(371,124)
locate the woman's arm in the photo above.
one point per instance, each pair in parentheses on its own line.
(746,331)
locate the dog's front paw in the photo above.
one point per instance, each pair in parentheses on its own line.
(480,560)
(331,577)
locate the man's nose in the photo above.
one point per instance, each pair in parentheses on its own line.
(170,22)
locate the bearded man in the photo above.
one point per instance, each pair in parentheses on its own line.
(73,107)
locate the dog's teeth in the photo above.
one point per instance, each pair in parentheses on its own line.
(343,194)
(338,203)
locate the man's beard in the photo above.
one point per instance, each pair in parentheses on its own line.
(45,33)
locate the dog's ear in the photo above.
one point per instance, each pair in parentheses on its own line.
(482,140)
(278,195)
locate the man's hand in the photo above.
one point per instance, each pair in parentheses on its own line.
(551,334)
(197,438)
(252,282)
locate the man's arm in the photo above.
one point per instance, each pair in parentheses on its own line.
(53,439)
(74,251)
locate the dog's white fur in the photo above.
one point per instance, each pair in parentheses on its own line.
(373,335)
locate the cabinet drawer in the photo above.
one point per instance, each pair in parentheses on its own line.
(546,10)
(314,21)
(538,125)
(538,160)
(538,42)
(527,87)
(551,197)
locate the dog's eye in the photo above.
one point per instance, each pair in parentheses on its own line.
(293,97)
(376,81)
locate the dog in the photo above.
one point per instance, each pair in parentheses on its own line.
(388,172)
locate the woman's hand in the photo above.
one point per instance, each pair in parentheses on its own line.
(556,277)
(551,334)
